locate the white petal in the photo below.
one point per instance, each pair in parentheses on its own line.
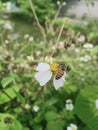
(69,128)
(59,83)
(43,77)
(42,66)
(73,126)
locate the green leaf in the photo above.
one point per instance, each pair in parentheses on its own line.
(51,102)
(37,127)
(92,3)
(85,107)
(21,99)
(5,121)
(5,81)
(39,117)
(3,126)
(55,125)
(95,50)
(8,94)
(84,128)
(4,115)
(51,115)
(16,125)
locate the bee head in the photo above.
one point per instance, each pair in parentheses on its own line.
(65,67)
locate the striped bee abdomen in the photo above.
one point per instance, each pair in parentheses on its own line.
(59,74)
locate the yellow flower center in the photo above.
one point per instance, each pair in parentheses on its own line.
(54,67)
(73,128)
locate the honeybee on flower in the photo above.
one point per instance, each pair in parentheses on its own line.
(45,72)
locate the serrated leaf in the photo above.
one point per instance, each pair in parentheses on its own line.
(85,107)
(5,81)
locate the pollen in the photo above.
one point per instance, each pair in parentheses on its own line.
(54,67)
(73,128)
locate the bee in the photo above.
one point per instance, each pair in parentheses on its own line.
(60,72)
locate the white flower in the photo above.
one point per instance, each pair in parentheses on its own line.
(49,59)
(8,26)
(58,2)
(64,3)
(30,58)
(72,127)
(69,106)
(26,36)
(6,41)
(36,108)
(23,65)
(81,38)
(85,58)
(88,46)
(77,50)
(27,106)
(31,39)
(96,103)
(38,53)
(61,45)
(45,72)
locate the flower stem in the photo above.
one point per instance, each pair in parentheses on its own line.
(58,39)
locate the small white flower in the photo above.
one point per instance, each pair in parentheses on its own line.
(96,103)
(8,26)
(85,58)
(72,127)
(81,38)
(45,72)
(6,41)
(38,53)
(27,106)
(23,65)
(49,59)
(30,58)
(61,45)
(64,3)
(88,46)
(31,39)
(58,2)
(36,108)
(77,50)
(69,106)
(26,36)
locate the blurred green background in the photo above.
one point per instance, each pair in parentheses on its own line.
(27,28)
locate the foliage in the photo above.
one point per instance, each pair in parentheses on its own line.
(24,104)
(86,99)
(43,11)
